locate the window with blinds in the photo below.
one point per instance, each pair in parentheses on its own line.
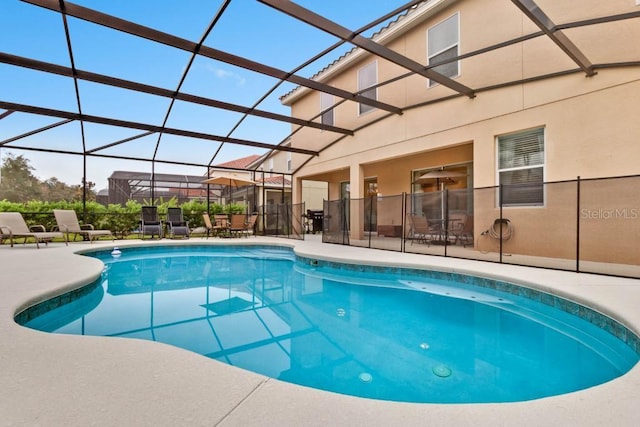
(326,102)
(367,77)
(442,44)
(521,168)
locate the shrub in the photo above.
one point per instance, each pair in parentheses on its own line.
(121,220)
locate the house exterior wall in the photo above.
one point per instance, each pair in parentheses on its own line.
(276,162)
(314,193)
(590,123)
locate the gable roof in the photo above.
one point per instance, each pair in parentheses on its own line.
(394,28)
(241,163)
(275,180)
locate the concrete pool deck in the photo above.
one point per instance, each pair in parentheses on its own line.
(68,380)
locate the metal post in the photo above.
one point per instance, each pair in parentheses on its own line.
(343,219)
(302,207)
(445,195)
(263,191)
(282,190)
(578,225)
(255,193)
(370,216)
(152,183)
(500,191)
(208,198)
(84,187)
(403,221)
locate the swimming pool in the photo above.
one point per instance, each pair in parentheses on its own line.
(381,333)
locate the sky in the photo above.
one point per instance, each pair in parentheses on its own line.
(247,28)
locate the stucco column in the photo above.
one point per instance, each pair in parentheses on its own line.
(356,188)
(296,191)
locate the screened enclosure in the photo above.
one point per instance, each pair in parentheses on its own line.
(96,87)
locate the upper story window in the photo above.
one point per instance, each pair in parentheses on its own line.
(270,165)
(442,44)
(521,168)
(326,101)
(289,164)
(367,77)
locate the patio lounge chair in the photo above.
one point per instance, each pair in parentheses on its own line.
(67,221)
(176,224)
(238,224)
(250,225)
(421,231)
(207,223)
(150,223)
(463,231)
(220,225)
(241,226)
(12,225)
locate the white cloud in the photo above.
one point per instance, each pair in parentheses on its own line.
(222,73)
(226,74)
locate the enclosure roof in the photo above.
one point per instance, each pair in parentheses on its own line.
(159,176)
(112,81)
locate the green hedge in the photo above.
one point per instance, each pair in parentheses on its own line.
(121,220)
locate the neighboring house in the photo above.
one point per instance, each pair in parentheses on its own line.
(536,117)
(243,194)
(272,174)
(273,178)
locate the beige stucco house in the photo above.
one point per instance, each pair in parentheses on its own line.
(533,109)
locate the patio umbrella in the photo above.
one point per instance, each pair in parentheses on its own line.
(232,179)
(438,176)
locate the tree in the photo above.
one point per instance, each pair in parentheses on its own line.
(18,182)
(91,194)
(55,190)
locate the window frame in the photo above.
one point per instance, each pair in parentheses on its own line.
(364,108)
(433,83)
(327,100)
(542,165)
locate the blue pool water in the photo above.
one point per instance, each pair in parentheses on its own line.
(389,334)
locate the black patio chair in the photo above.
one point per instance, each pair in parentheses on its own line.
(176,224)
(150,223)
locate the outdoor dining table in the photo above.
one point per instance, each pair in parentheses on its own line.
(443,227)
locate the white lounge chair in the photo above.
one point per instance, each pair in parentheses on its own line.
(67,221)
(13,225)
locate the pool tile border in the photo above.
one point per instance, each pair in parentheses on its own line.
(44,307)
